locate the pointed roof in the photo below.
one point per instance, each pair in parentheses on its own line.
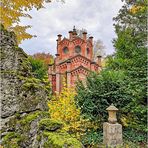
(112,107)
(80,67)
(78,55)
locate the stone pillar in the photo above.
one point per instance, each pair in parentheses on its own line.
(112,131)
(68,73)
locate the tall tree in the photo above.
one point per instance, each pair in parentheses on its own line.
(13,10)
(123,82)
(39,68)
(131,56)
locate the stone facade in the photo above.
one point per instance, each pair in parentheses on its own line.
(74,59)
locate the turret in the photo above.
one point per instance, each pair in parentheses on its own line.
(74,31)
(84,36)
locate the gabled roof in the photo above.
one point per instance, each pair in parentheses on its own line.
(78,55)
(63,40)
(80,67)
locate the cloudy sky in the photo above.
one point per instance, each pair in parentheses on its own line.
(59,18)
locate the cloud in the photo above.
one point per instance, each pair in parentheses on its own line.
(95,16)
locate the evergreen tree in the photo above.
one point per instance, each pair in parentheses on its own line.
(123,82)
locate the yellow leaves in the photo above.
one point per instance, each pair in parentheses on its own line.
(62,107)
(12,10)
(136,8)
(124,121)
(21,33)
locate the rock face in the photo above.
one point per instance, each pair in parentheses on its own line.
(16,79)
(25,121)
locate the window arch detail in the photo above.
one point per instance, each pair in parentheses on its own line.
(65,50)
(77,49)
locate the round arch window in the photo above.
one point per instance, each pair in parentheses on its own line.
(77,49)
(87,51)
(65,50)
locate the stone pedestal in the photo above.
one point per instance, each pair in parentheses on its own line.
(112,134)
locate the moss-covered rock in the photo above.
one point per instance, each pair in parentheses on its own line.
(60,140)
(12,140)
(50,125)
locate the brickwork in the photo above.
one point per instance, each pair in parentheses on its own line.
(73,59)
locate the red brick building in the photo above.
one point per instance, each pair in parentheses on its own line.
(74,59)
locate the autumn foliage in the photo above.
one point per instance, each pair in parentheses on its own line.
(13,10)
(63,108)
(47,58)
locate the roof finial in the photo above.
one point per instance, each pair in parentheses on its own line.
(74,28)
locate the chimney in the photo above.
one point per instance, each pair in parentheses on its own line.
(99,61)
(59,37)
(84,36)
(70,35)
(91,39)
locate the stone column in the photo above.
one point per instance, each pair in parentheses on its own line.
(112,131)
(68,73)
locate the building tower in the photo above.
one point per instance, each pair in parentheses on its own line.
(74,59)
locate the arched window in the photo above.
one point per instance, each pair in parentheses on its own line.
(65,50)
(87,51)
(78,49)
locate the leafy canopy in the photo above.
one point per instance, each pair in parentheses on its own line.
(63,108)
(47,58)
(124,79)
(39,68)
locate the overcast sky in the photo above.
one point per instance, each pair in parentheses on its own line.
(58,18)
